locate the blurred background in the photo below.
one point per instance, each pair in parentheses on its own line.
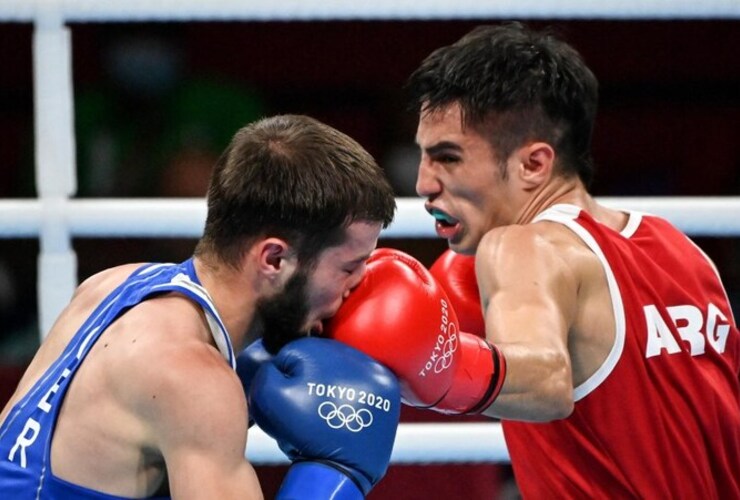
(156,103)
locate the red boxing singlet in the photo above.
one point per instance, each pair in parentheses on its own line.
(661,417)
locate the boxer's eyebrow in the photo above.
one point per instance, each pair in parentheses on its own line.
(360,260)
(441,147)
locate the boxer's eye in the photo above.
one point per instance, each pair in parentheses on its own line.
(447,159)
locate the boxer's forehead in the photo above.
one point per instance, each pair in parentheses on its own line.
(361,240)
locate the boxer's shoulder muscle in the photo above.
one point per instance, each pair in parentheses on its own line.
(187,382)
(95,288)
(196,414)
(542,253)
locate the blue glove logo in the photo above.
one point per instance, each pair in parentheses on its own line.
(346,416)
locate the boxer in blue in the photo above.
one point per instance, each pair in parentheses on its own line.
(133,393)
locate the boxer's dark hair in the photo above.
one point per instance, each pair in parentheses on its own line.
(515,85)
(292,177)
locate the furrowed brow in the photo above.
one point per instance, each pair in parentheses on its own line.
(443,147)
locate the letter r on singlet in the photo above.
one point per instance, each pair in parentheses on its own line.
(24,440)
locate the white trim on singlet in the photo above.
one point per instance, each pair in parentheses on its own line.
(148,268)
(86,340)
(217,327)
(566,215)
(633,222)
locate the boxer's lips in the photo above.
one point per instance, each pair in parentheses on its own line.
(445,225)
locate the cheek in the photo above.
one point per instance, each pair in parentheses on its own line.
(326,297)
(482,198)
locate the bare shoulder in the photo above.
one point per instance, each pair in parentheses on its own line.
(539,248)
(94,288)
(190,401)
(197,412)
(186,382)
(169,340)
(176,377)
(544,263)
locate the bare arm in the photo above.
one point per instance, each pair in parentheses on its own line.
(529,295)
(199,414)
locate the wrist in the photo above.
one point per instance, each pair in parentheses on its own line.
(479,376)
(307,480)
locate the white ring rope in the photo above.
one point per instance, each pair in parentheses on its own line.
(159,217)
(260,10)
(416,443)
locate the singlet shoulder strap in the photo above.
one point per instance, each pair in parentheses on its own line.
(184,284)
(568,215)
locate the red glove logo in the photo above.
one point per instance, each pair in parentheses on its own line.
(442,355)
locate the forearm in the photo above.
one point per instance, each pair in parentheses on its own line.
(538,385)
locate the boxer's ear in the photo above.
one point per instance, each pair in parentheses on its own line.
(276,260)
(534,163)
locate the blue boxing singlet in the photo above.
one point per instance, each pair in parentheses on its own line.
(26,434)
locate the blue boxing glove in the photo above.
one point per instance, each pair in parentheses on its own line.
(333,411)
(248,362)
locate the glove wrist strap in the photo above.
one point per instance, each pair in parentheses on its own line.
(478,377)
(498,374)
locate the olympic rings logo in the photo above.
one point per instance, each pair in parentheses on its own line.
(346,416)
(448,349)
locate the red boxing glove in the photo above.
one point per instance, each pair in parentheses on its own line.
(401,316)
(456,273)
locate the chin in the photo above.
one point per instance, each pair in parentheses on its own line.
(462,250)
(461,246)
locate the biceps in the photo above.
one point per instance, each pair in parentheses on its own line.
(528,317)
(531,331)
(532,338)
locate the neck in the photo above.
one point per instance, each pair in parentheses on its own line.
(232,294)
(572,192)
(560,190)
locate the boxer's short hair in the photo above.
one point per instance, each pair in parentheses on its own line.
(514,85)
(292,177)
